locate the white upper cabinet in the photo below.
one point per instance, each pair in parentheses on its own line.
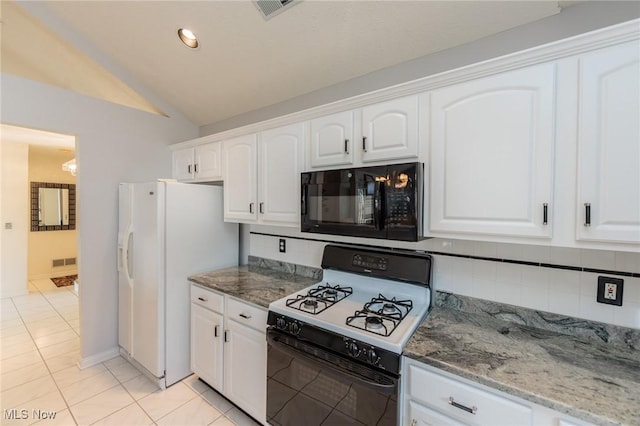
(240,182)
(332,140)
(202,163)
(279,171)
(390,130)
(275,159)
(609,145)
(491,156)
(183,164)
(382,132)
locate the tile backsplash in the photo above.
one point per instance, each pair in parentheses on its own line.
(506,273)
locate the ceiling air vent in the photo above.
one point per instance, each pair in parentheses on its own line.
(270,8)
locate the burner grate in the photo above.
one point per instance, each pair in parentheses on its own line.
(319,298)
(381,315)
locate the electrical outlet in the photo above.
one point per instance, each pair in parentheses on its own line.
(610,290)
(282,245)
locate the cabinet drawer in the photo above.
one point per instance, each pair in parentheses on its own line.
(244,313)
(207,298)
(437,391)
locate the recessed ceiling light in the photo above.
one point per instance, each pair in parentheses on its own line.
(188,38)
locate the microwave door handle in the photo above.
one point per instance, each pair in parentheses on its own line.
(379,206)
(305,193)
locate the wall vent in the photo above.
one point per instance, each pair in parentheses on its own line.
(57,262)
(270,8)
(70,261)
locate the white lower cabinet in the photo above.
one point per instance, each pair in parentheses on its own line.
(229,348)
(244,372)
(206,353)
(434,397)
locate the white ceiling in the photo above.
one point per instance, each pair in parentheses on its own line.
(9,133)
(245,62)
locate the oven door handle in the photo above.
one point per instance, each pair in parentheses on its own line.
(283,347)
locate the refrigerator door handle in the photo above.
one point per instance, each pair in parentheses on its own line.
(126,255)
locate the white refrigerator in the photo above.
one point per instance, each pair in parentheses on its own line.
(167,231)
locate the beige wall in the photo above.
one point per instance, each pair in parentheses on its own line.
(14,184)
(45,165)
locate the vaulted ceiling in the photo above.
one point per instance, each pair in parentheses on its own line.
(245,62)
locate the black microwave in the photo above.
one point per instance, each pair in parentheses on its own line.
(382,202)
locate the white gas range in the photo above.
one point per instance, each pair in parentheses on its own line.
(368,303)
(334,348)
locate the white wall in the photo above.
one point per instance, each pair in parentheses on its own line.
(15,210)
(113,144)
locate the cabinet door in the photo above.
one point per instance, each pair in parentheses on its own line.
(208,162)
(245,361)
(183,164)
(279,183)
(240,183)
(332,140)
(419,415)
(609,145)
(390,130)
(492,155)
(206,345)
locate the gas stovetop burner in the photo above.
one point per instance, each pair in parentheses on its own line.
(373,323)
(310,304)
(396,309)
(319,298)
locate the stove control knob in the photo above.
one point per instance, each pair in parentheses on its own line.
(294,328)
(281,323)
(353,349)
(372,356)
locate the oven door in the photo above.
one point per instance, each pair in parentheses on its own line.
(307,385)
(345,202)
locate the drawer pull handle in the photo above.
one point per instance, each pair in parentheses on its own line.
(215,331)
(226,335)
(202,299)
(471,410)
(245,316)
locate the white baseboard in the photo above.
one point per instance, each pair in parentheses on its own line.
(92,360)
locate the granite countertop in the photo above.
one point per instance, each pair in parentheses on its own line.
(255,284)
(592,374)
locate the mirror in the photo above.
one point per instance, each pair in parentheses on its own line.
(53,206)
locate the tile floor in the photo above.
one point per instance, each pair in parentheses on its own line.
(40,346)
